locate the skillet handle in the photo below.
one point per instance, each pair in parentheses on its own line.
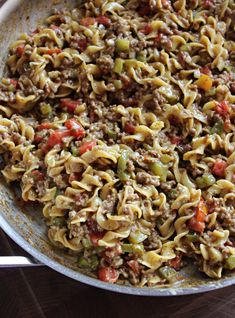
(18,261)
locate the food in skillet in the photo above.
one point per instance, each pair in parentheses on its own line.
(119,118)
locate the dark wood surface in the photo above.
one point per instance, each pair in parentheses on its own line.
(41,292)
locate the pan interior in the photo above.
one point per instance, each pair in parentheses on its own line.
(24,222)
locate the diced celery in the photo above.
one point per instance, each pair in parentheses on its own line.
(166,158)
(230,262)
(118,84)
(167,272)
(118,65)
(141,58)
(122,45)
(45,109)
(211,92)
(94,262)
(86,243)
(159,169)
(218,127)
(99,249)
(111,134)
(122,165)
(74,151)
(192,237)
(184,48)
(83,263)
(147,147)
(205,181)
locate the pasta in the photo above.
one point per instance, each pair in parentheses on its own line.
(119,117)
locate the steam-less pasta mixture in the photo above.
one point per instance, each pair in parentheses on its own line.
(119,117)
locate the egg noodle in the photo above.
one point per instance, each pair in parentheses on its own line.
(119,117)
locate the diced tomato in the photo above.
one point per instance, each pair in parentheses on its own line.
(129,128)
(175,262)
(108,274)
(134,265)
(147,29)
(95,237)
(69,104)
(20,50)
(158,38)
(37,175)
(103,20)
(75,128)
(205,70)
(87,146)
(54,51)
(195,225)
(14,83)
(44,126)
(219,168)
(87,21)
(38,138)
(82,44)
(176,140)
(56,138)
(145,10)
(76,176)
(222,108)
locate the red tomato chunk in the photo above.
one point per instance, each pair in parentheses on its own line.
(75,128)
(95,237)
(175,262)
(87,21)
(54,51)
(103,20)
(44,126)
(87,146)
(69,104)
(134,265)
(222,108)
(196,225)
(14,83)
(37,175)
(20,50)
(129,128)
(82,44)
(108,274)
(147,29)
(56,138)
(219,168)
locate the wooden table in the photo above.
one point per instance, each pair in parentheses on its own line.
(41,292)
